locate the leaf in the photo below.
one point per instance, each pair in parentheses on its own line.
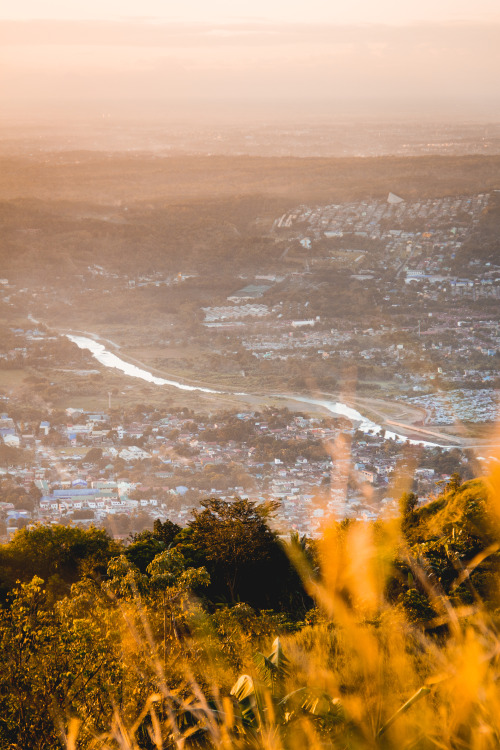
(273,668)
(279,659)
(243,688)
(268,671)
(244,692)
(316,703)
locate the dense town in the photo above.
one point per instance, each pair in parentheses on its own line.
(434,326)
(89,469)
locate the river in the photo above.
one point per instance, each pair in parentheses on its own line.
(108,359)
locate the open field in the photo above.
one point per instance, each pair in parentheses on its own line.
(11,378)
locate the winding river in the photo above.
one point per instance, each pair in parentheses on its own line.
(108,359)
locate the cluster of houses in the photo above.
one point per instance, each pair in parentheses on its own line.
(459,405)
(444,345)
(234,312)
(286,342)
(101,497)
(163,466)
(383,219)
(419,240)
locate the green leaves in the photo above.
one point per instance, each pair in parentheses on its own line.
(63,551)
(52,664)
(244,692)
(266,705)
(273,669)
(125,580)
(168,570)
(235,540)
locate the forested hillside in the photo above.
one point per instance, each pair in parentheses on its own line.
(222,635)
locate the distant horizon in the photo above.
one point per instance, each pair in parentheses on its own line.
(284,135)
(232,110)
(445,69)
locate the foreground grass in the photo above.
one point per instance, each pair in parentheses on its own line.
(397,646)
(361,671)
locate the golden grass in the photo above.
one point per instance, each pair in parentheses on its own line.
(398,685)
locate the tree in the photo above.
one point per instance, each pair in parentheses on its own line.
(170,575)
(34,494)
(455,482)
(244,557)
(60,554)
(144,547)
(124,579)
(407,503)
(53,439)
(166,531)
(92,456)
(53,665)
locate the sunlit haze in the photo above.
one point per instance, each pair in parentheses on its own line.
(357,11)
(317,58)
(250,374)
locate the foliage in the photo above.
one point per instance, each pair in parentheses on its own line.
(59,554)
(399,651)
(166,531)
(264,703)
(52,665)
(241,551)
(144,547)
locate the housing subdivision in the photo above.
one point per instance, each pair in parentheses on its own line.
(87,468)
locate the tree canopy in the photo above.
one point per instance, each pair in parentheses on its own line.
(240,549)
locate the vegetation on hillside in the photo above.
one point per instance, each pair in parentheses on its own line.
(221,635)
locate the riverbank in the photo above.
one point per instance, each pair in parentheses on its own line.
(337,408)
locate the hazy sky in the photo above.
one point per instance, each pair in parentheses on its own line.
(319,52)
(215,11)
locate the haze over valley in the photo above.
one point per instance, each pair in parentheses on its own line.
(363,290)
(249,375)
